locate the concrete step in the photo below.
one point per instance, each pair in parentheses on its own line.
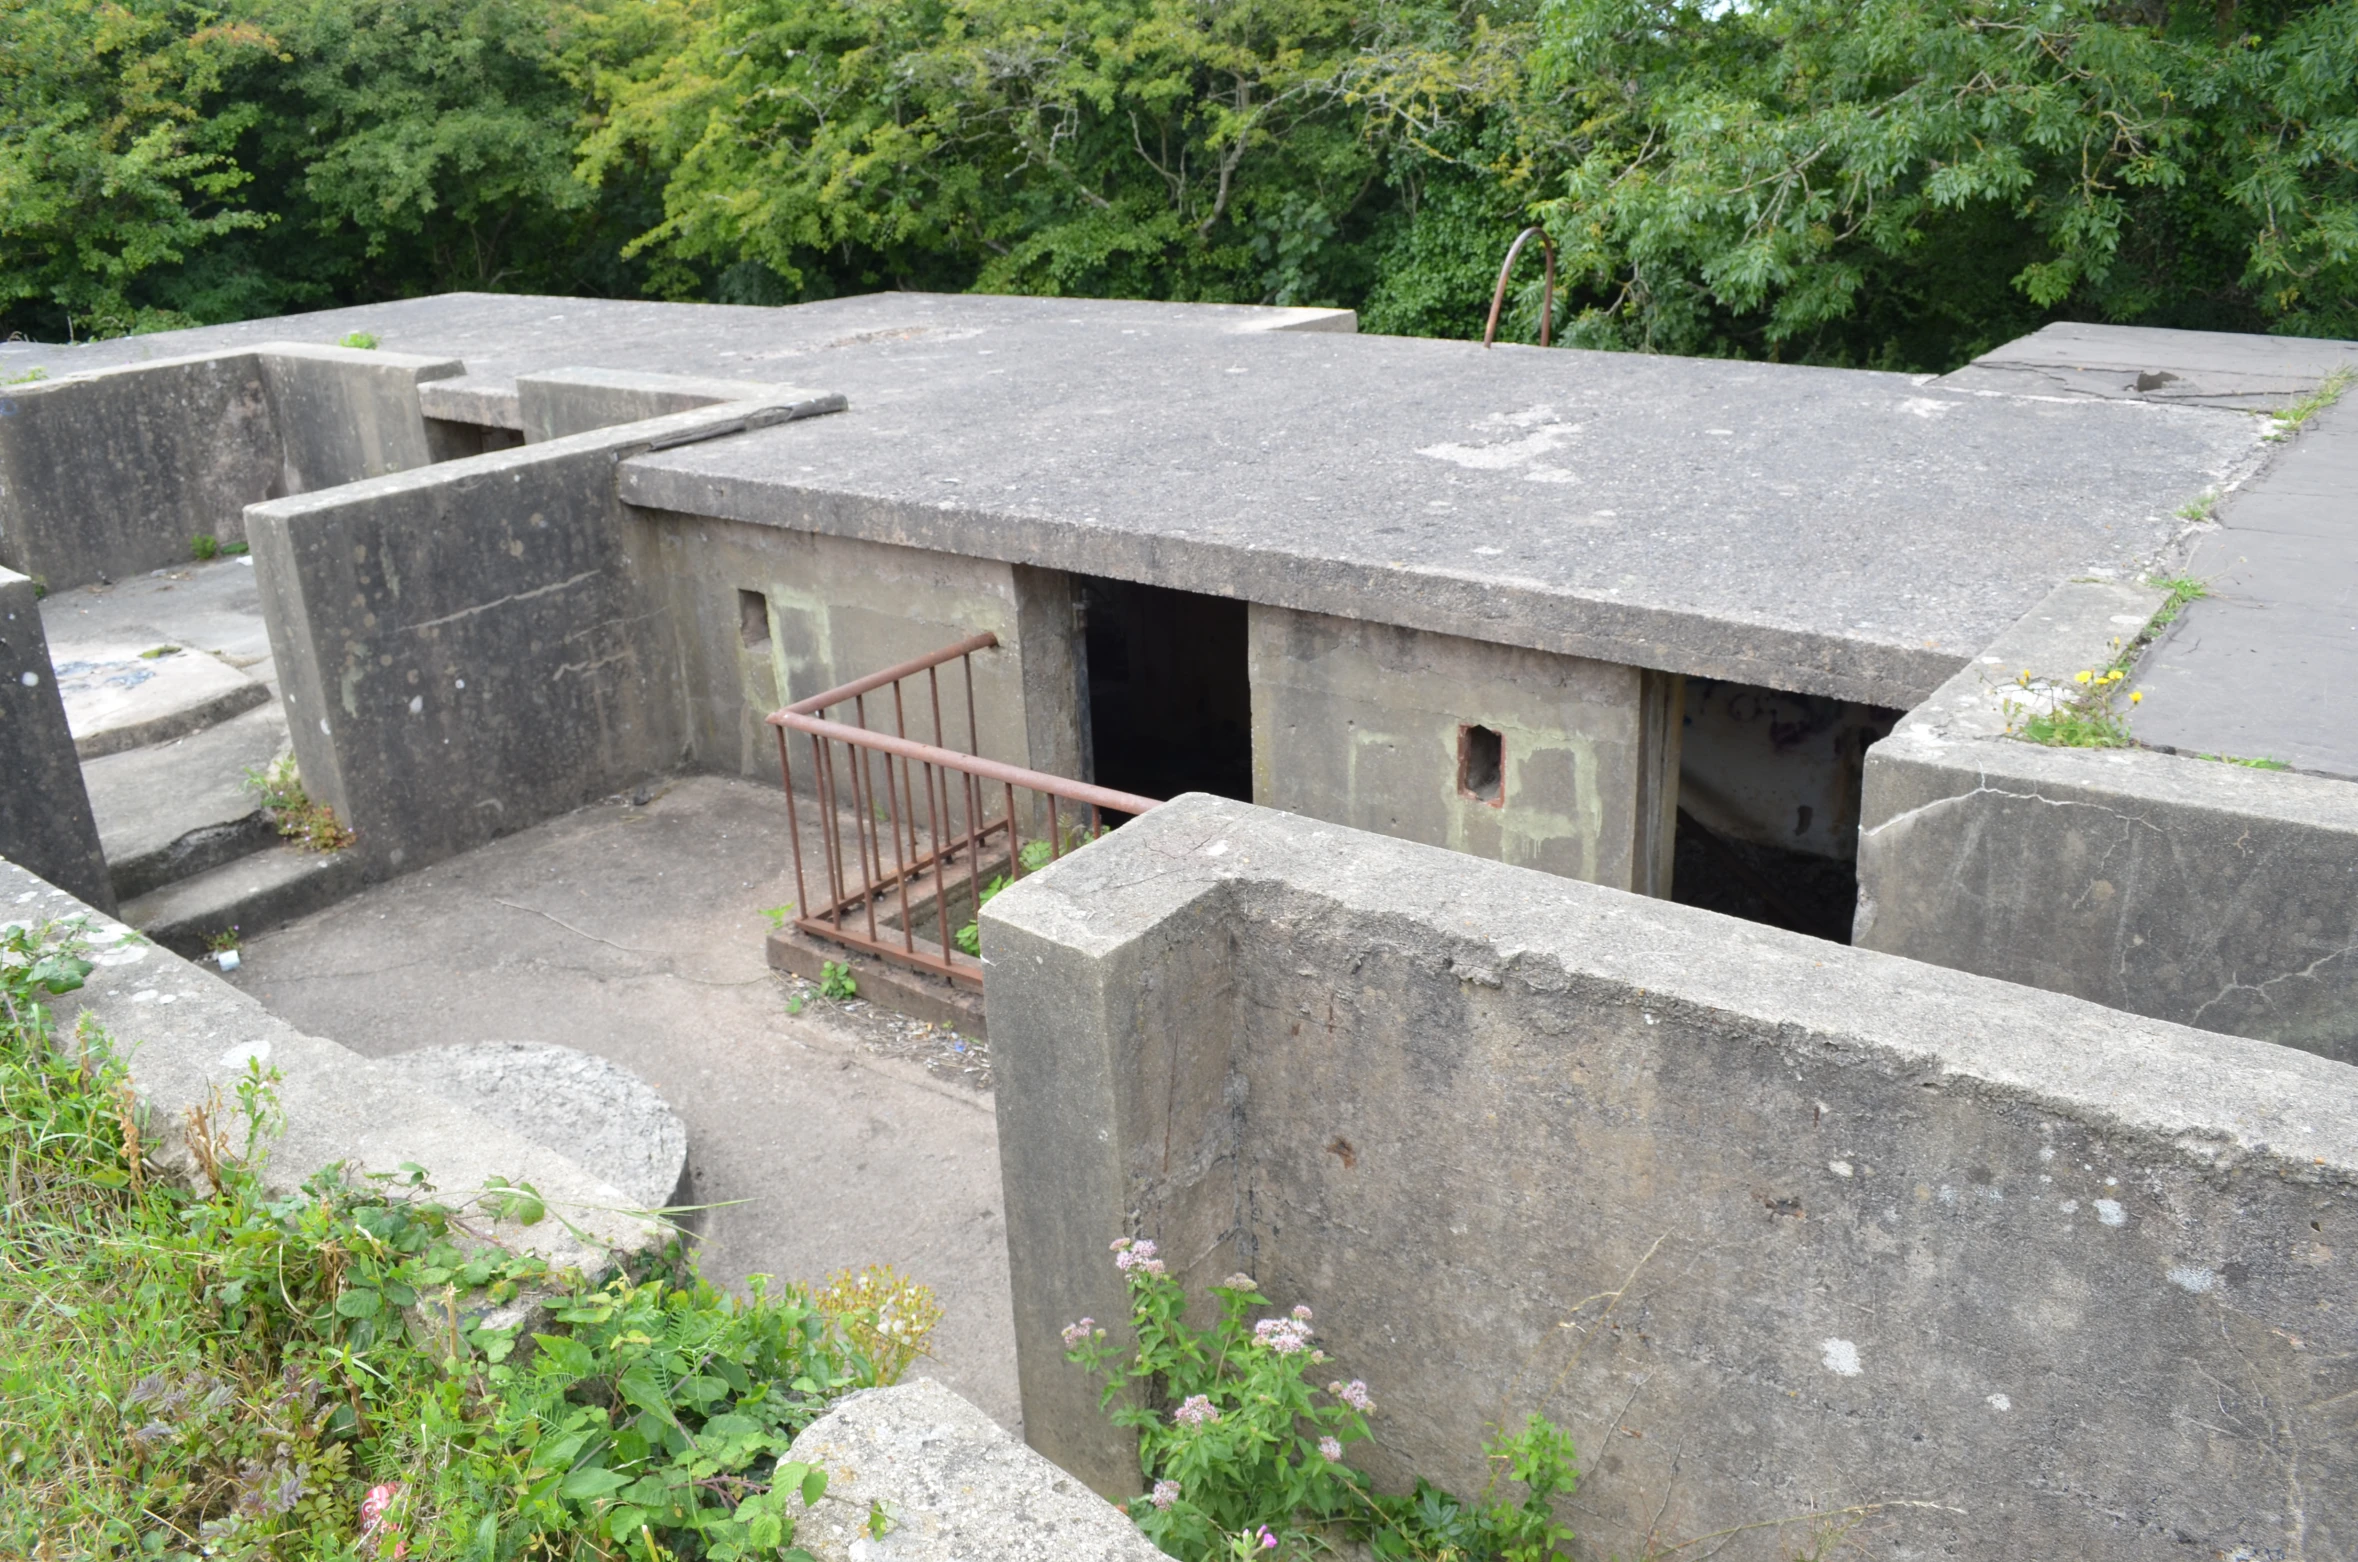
(254,892)
(122,695)
(173,810)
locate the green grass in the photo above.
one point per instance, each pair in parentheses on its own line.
(360,339)
(2290,420)
(2093,717)
(222,1372)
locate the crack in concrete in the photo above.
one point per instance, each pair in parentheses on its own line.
(520,596)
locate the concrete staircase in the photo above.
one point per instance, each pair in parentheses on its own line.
(173,702)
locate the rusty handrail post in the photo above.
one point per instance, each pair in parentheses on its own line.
(958,786)
(1547,297)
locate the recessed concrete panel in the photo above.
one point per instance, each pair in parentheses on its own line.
(1773,1227)
(45,818)
(1392,730)
(826,610)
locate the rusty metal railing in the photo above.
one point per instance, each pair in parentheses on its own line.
(1547,294)
(916,835)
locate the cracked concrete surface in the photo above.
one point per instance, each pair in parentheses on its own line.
(636,933)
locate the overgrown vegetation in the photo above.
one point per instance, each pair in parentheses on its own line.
(1244,1452)
(1899,183)
(312,826)
(224,1373)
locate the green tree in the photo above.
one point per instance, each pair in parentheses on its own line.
(1910,181)
(110,168)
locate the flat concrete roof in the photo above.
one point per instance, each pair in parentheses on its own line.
(1830,531)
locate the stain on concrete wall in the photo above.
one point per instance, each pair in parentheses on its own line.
(1366,724)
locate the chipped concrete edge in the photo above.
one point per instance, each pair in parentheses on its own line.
(187,1038)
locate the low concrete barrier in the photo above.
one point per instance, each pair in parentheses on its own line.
(469,648)
(109,473)
(1776,1228)
(187,1037)
(45,818)
(2209,894)
(558,402)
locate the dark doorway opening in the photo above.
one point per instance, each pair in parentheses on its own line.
(1170,700)
(1768,811)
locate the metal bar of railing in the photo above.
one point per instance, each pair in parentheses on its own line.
(956,829)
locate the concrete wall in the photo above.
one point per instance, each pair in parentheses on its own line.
(835,609)
(45,819)
(467,649)
(1359,723)
(109,473)
(1771,1225)
(2185,889)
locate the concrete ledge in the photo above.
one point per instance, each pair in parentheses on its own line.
(1773,1226)
(485,401)
(913,993)
(187,1036)
(954,1487)
(251,893)
(558,402)
(2188,890)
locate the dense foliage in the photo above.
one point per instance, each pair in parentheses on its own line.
(221,1372)
(1898,182)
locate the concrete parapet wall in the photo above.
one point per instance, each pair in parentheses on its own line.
(469,648)
(1360,723)
(111,472)
(45,818)
(2190,890)
(187,1037)
(1773,1226)
(557,402)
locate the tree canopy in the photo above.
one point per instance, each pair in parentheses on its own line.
(1900,183)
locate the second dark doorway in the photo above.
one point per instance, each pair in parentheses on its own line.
(1170,700)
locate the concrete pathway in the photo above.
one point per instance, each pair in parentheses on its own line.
(2266,667)
(834,1139)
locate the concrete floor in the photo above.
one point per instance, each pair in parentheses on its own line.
(635,933)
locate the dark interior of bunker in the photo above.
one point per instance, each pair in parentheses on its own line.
(1768,805)
(1170,699)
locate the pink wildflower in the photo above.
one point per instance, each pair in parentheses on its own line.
(1354,1394)
(1196,1411)
(1077,1334)
(1283,1335)
(1329,1448)
(1165,1493)
(1131,1256)
(1268,1541)
(1301,1315)
(375,1526)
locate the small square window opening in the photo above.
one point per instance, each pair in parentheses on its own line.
(1481,765)
(753,618)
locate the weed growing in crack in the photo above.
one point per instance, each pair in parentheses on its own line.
(311,826)
(2291,419)
(2091,714)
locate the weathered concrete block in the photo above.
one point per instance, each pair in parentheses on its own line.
(1773,1226)
(555,403)
(187,1038)
(345,413)
(108,473)
(45,818)
(954,1488)
(467,649)
(1367,725)
(2189,890)
(589,1109)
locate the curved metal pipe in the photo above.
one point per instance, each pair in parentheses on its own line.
(1547,297)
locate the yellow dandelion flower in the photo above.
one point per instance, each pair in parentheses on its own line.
(2081,677)
(2137,698)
